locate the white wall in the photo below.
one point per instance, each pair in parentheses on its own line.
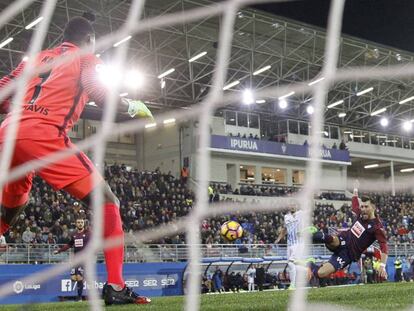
(333,177)
(300,139)
(160,147)
(380,152)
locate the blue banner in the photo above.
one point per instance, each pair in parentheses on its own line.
(148,279)
(282,149)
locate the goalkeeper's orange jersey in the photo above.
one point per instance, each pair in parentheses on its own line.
(55,99)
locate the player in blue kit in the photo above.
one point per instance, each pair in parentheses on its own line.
(349,245)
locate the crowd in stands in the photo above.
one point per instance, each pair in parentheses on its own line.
(255,190)
(250,136)
(147,199)
(153,198)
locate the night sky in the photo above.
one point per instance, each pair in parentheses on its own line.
(390,22)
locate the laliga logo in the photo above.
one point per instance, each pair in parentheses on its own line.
(18,287)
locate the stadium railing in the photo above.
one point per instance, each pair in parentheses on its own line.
(43,253)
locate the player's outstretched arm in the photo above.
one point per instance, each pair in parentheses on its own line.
(355,201)
(98,92)
(382,270)
(382,240)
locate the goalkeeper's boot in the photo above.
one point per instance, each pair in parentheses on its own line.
(125,296)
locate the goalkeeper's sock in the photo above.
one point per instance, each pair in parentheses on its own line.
(114,256)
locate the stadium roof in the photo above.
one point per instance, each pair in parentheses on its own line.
(294,52)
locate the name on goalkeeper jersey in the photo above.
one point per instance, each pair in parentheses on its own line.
(37,108)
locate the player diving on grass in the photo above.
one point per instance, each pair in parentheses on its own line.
(78,241)
(348,246)
(291,229)
(52,104)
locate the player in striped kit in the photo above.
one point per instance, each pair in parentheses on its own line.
(291,229)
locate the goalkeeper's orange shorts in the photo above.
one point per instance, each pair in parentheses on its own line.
(76,169)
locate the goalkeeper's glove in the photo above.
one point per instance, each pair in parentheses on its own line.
(137,108)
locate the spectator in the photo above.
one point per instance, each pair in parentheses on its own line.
(27,236)
(398,269)
(342,145)
(3,243)
(218,280)
(251,274)
(406,270)
(184,175)
(334,146)
(260,277)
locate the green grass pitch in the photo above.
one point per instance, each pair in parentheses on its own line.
(387,296)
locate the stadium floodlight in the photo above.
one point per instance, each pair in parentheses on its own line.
(166,73)
(316,81)
(98,55)
(335,103)
(286,96)
(122,41)
(407,170)
(371,165)
(283,103)
(384,122)
(34,23)
(347,132)
(194,58)
(263,69)
(150,125)
(25,58)
(123,94)
(109,75)
(365,91)
(248,97)
(169,121)
(92,104)
(5,42)
(382,136)
(407,126)
(374,113)
(310,109)
(342,114)
(230,85)
(134,79)
(260,101)
(406,100)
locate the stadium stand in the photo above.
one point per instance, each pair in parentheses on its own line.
(152,198)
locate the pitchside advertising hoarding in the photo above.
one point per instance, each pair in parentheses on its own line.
(149,279)
(277,149)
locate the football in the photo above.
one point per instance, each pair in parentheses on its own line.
(231,230)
